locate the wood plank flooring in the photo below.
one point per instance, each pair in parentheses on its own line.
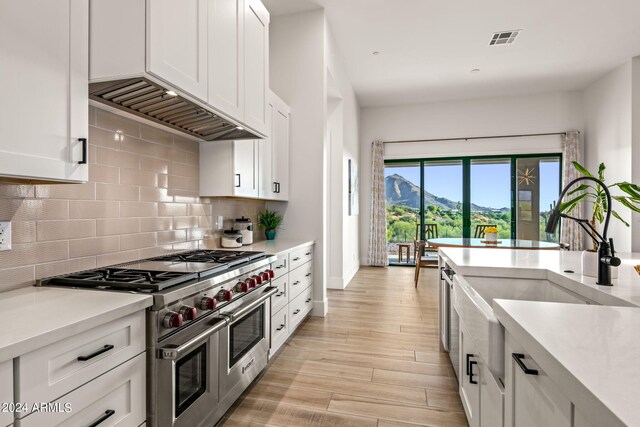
(373,361)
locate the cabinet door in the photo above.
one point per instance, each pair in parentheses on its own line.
(256,64)
(280,137)
(491,398)
(226,56)
(245,164)
(177,43)
(265,163)
(44,103)
(469,377)
(6,390)
(532,399)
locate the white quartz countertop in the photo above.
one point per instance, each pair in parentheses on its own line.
(555,266)
(591,353)
(34,317)
(271,247)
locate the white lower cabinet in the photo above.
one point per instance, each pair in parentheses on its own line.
(469,377)
(116,398)
(6,391)
(531,396)
(49,372)
(491,398)
(294,299)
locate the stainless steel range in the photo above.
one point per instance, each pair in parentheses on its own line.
(208,332)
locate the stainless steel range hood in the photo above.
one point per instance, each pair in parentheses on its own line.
(166,106)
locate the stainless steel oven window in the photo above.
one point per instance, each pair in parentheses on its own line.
(190,378)
(245,334)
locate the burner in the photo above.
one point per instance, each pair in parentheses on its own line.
(120,277)
(232,258)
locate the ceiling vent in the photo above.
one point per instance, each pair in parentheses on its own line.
(504,37)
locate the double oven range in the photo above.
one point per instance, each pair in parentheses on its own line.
(208,331)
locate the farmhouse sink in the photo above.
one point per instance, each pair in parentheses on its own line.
(473,297)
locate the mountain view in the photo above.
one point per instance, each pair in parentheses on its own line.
(403,212)
(400,191)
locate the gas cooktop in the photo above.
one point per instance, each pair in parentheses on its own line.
(158,273)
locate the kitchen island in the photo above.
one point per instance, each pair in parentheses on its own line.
(533,342)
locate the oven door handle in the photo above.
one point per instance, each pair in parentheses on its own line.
(175,353)
(236,315)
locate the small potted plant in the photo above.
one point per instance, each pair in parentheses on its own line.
(595,194)
(270,221)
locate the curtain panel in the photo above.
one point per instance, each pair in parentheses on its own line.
(377,253)
(571,233)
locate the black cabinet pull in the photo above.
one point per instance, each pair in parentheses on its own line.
(280,328)
(471,365)
(469,356)
(278,187)
(97,353)
(307,275)
(238,176)
(308,253)
(297,282)
(103,418)
(518,358)
(308,300)
(297,311)
(85,150)
(296,259)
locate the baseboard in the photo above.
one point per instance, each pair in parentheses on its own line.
(350,275)
(320,308)
(336,283)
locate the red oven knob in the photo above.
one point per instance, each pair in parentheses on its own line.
(208,303)
(272,274)
(172,320)
(224,295)
(265,276)
(251,282)
(258,280)
(242,287)
(188,313)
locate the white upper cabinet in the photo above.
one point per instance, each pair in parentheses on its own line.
(44,58)
(280,138)
(265,161)
(256,64)
(214,51)
(177,43)
(226,56)
(245,168)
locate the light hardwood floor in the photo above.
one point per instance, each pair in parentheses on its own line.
(373,361)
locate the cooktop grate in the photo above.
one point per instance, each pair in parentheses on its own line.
(122,278)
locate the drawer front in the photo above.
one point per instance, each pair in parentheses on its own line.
(6,390)
(299,257)
(299,280)
(117,397)
(279,329)
(281,266)
(49,372)
(280,298)
(300,307)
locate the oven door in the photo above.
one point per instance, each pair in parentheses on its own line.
(187,370)
(244,344)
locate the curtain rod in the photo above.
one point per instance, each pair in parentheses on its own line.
(474,137)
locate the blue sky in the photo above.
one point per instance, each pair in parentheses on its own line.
(490,183)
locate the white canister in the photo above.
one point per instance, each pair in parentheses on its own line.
(231,239)
(246,228)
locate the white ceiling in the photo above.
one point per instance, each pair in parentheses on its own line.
(428,47)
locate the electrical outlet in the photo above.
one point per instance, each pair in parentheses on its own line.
(5,235)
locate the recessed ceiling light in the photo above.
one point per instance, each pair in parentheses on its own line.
(170,93)
(475,70)
(375,53)
(239,128)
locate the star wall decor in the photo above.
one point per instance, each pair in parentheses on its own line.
(527,177)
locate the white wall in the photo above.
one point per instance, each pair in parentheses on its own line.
(343,126)
(540,113)
(607,138)
(635,143)
(298,76)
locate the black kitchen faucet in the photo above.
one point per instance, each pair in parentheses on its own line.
(606,252)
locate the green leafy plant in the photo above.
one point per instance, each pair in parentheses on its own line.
(270,220)
(595,194)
